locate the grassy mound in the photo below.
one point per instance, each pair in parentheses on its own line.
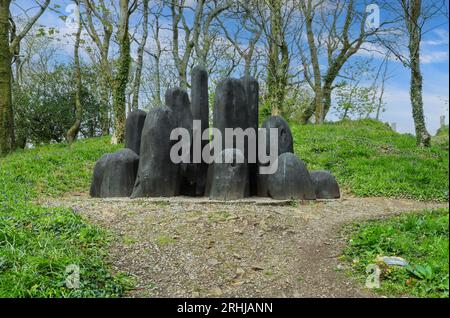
(37,244)
(369,159)
(441,138)
(421,239)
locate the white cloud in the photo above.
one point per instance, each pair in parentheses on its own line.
(434,57)
(440,38)
(398,109)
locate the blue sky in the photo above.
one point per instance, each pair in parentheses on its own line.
(435,84)
(435,66)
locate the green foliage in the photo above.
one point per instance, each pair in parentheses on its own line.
(354,101)
(296,101)
(45,105)
(369,159)
(38,243)
(52,170)
(265,111)
(441,138)
(421,239)
(442,131)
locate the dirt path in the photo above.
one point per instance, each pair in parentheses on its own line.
(195,248)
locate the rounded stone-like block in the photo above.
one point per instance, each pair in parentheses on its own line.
(230,106)
(251,87)
(157,175)
(199,96)
(115,174)
(227,180)
(133,130)
(325,185)
(291,180)
(285,145)
(177,99)
(285,140)
(230,111)
(200,111)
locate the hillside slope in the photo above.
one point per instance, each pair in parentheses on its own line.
(369,159)
(40,246)
(38,243)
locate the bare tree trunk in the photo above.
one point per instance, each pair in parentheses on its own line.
(5,80)
(308,12)
(8,47)
(422,135)
(140,52)
(73,131)
(102,13)
(278,59)
(158,85)
(104,105)
(200,25)
(380,97)
(181,62)
(157,57)
(121,78)
(105,89)
(327,90)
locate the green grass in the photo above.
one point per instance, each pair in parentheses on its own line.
(53,170)
(164,240)
(441,138)
(420,238)
(369,159)
(38,243)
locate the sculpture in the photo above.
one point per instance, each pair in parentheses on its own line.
(146,169)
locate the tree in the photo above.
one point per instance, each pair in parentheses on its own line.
(247,22)
(102,41)
(413,16)
(196,36)
(341,31)
(278,56)
(140,56)
(354,96)
(122,71)
(73,131)
(9,43)
(44,104)
(412,10)
(155,71)
(353,100)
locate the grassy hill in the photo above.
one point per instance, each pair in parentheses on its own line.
(369,159)
(38,243)
(441,138)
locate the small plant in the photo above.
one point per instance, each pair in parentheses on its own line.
(421,239)
(164,240)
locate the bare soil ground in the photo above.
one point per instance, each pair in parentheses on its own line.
(253,248)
